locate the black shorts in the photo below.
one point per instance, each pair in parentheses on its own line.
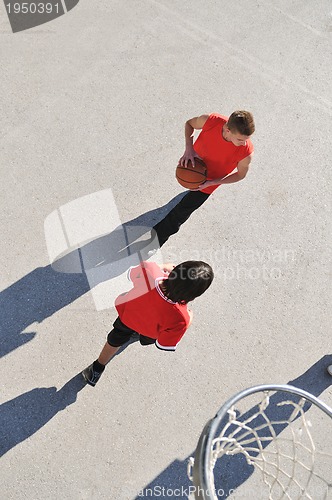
(121,334)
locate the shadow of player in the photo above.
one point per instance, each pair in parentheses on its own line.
(46,290)
(26,414)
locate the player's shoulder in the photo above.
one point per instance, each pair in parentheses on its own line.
(249,147)
(180,312)
(217,116)
(246,152)
(152,269)
(214,120)
(144,270)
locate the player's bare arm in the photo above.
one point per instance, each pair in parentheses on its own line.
(242,170)
(191,315)
(196,123)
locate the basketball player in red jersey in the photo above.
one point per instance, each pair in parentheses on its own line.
(155,308)
(224,145)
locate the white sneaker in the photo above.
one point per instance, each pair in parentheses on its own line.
(329,370)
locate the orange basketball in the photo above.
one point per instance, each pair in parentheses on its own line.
(191,177)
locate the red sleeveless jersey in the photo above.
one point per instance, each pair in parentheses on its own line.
(146,310)
(221,156)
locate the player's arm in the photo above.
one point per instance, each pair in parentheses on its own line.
(242,170)
(196,123)
(169,338)
(191,315)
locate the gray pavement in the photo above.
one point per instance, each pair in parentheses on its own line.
(96,100)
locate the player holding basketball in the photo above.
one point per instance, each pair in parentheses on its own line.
(224,145)
(155,308)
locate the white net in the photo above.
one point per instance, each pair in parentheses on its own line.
(276,439)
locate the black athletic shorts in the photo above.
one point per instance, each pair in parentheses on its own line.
(121,334)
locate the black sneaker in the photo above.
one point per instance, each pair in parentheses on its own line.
(90,376)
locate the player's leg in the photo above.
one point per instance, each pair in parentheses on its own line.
(117,337)
(179,214)
(107,354)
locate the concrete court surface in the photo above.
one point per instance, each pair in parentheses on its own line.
(97,100)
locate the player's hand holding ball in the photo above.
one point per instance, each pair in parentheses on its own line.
(189,156)
(191,171)
(205,185)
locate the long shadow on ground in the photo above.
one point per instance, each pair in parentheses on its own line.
(48,289)
(24,415)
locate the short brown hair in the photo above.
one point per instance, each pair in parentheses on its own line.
(241,122)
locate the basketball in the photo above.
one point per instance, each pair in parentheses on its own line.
(191,177)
